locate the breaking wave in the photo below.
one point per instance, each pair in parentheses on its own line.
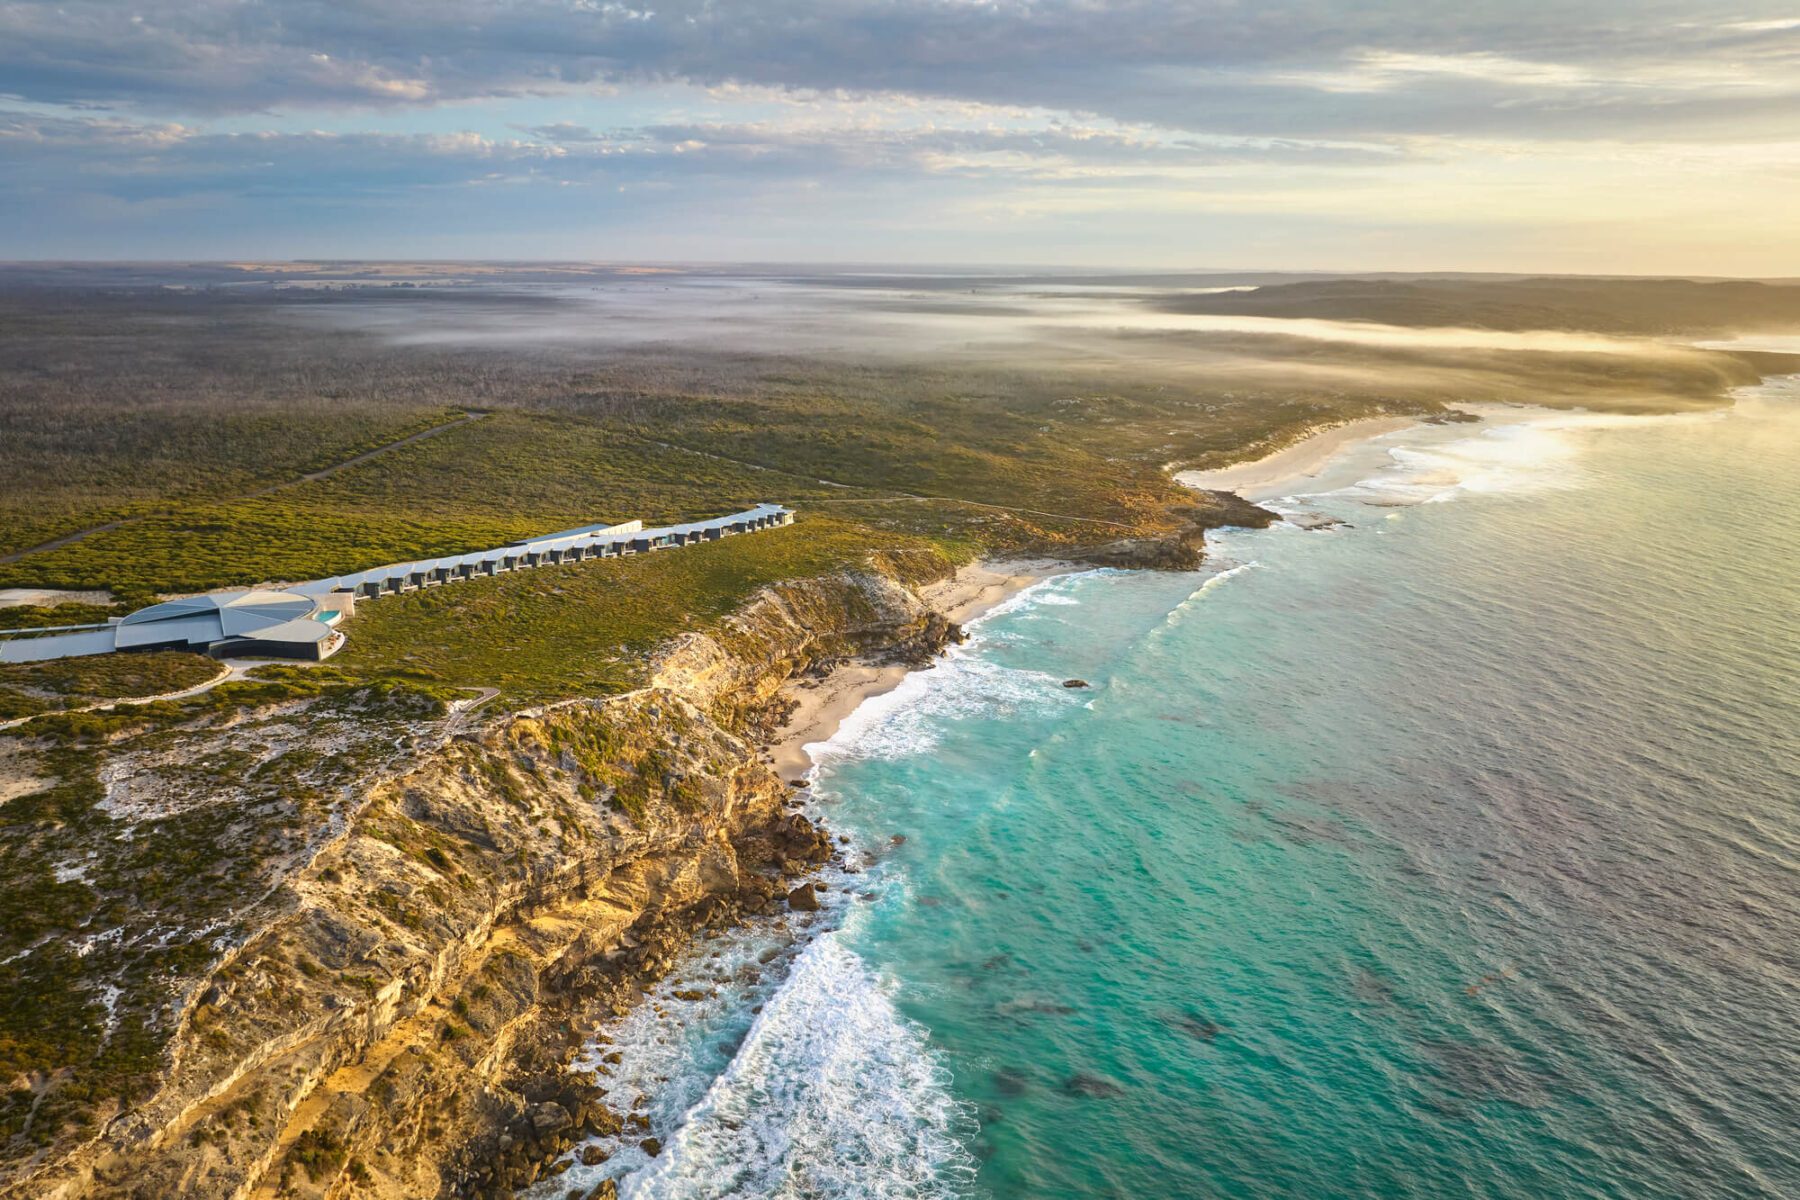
(832,1094)
(962,686)
(1540,454)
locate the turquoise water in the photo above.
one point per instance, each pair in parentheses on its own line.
(1452,852)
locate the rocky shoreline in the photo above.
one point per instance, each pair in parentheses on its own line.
(400,1020)
(401,1017)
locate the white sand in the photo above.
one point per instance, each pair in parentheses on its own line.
(824,703)
(1279,473)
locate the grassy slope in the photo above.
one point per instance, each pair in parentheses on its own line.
(29,688)
(587,628)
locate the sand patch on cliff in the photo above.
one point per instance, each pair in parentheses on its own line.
(17,778)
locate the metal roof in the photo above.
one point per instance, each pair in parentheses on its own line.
(589,536)
(587,530)
(290,615)
(62,645)
(252,605)
(304,630)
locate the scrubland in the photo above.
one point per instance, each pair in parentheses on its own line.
(148,426)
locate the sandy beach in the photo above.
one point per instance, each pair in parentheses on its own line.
(824,703)
(1278,473)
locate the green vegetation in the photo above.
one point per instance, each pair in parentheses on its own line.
(30,616)
(30,688)
(110,407)
(318,1152)
(133,837)
(585,629)
(172,410)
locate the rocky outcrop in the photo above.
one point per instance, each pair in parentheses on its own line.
(1183,548)
(788,628)
(400,1021)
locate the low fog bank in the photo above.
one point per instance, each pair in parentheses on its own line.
(1684,309)
(1125,331)
(1603,343)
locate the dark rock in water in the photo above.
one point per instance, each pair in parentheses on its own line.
(1020,1007)
(899,839)
(1009,1082)
(1450,416)
(606,1189)
(803,899)
(651,1146)
(1076,683)
(1195,1027)
(593,1156)
(1370,987)
(1094,1087)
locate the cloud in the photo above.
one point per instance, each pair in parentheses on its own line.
(126,159)
(1198,116)
(1204,67)
(561,132)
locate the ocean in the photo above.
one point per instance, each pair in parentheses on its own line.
(1443,841)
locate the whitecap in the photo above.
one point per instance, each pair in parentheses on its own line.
(912,717)
(1054,590)
(833,1093)
(1541,453)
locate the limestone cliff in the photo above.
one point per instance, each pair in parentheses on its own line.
(395,1016)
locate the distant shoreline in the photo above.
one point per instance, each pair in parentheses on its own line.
(1276,474)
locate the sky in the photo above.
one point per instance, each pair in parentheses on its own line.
(1607,136)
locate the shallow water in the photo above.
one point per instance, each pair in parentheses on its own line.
(1454,851)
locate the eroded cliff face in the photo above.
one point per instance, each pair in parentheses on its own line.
(787,629)
(1183,548)
(399,1017)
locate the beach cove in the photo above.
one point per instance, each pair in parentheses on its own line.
(1372,862)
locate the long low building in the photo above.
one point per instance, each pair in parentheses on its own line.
(573,545)
(300,621)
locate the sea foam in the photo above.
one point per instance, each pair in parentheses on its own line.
(832,1094)
(964,684)
(1539,453)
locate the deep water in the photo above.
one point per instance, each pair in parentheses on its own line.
(1450,852)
